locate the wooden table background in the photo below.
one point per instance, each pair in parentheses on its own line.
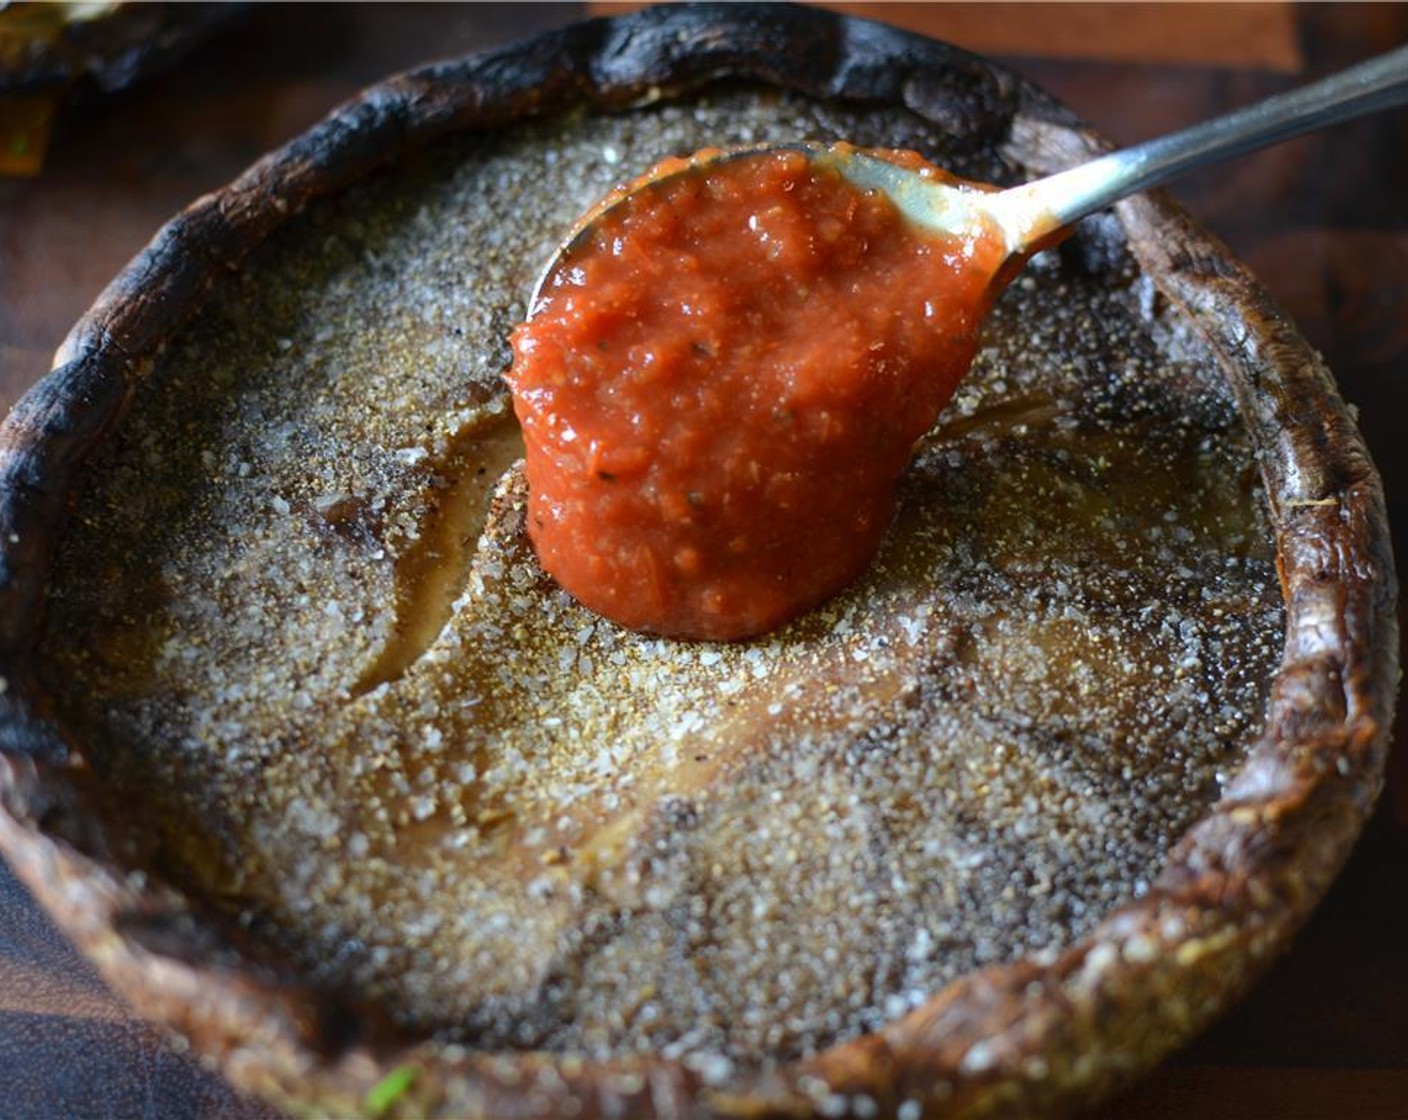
(1324,220)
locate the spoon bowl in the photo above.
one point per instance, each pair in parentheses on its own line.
(741,335)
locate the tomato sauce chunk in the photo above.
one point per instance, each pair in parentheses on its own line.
(720,392)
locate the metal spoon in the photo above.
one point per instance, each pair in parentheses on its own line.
(1027,216)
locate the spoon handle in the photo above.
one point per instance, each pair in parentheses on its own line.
(1035,210)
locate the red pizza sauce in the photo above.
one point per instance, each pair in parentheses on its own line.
(719,395)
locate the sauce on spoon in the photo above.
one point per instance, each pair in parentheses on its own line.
(721,386)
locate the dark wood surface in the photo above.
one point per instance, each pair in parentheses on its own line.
(1324,220)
